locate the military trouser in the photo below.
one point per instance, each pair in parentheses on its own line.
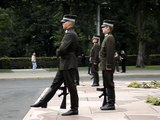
(66,77)
(95,69)
(76,76)
(109,85)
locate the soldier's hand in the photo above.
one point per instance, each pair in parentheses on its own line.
(108,68)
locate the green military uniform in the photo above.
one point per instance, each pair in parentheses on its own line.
(107,61)
(94,61)
(68,64)
(65,74)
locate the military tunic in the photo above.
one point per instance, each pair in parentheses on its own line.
(107,61)
(67,50)
(107,52)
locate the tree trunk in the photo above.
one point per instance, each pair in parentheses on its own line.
(141,54)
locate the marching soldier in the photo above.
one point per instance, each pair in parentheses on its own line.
(107,64)
(68,65)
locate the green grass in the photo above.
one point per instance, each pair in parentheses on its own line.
(55,69)
(151,67)
(51,69)
(5,70)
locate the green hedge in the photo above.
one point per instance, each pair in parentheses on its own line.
(154,59)
(25,62)
(53,62)
(131,60)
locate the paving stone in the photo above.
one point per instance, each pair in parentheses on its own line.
(130,105)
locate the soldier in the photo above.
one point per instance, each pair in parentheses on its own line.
(94,60)
(68,65)
(107,64)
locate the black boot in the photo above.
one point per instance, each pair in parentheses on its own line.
(40,104)
(44,100)
(111,100)
(108,107)
(71,112)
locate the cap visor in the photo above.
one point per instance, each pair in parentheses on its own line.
(62,21)
(103,26)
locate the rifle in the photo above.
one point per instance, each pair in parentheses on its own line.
(104,93)
(64,93)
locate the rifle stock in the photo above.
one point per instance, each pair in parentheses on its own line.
(64,93)
(104,94)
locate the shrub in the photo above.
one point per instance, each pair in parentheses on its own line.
(134,84)
(155,84)
(153,100)
(152,84)
(25,62)
(145,85)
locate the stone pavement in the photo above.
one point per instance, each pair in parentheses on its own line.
(130,102)
(130,105)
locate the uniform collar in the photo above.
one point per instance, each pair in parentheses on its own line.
(68,30)
(106,35)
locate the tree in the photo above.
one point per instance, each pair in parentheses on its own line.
(5,31)
(34,25)
(144,14)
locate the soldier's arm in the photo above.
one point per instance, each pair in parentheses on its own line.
(110,52)
(62,50)
(96,59)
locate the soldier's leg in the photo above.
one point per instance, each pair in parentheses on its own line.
(95,75)
(69,79)
(105,87)
(109,84)
(57,82)
(76,76)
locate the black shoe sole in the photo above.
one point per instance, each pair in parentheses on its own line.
(94,85)
(69,114)
(42,106)
(107,108)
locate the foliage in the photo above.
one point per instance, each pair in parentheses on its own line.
(25,62)
(134,84)
(47,62)
(152,84)
(34,25)
(5,31)
(153,100)
(155,84)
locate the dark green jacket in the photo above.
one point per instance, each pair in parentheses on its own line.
(94,53)
(107,52)
(68,50)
